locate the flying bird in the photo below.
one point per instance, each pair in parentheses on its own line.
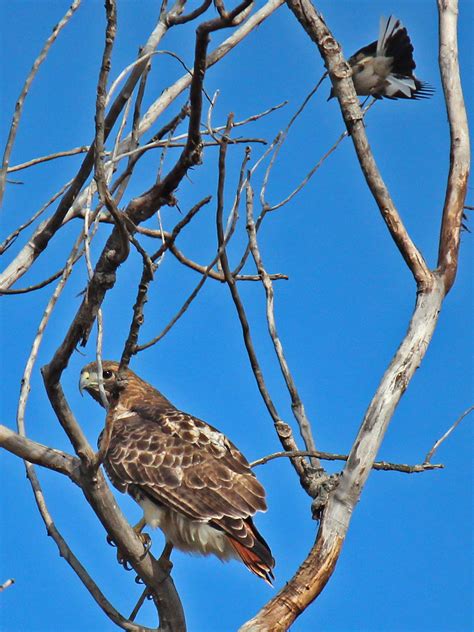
(384,69)
(188,478)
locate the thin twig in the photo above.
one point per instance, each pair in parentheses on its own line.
(179,227)
(216,275)
(283,136)
(139,604)
(11,238)
(297,405)
(41,284)
(24,91)
(55,156)
(329,456)
(138,310)
(205,273)
(175,19)
(283,430)
(430,454)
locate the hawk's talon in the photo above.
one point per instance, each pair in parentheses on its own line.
(139,580)
(110,541)
(126,564)
(146,541)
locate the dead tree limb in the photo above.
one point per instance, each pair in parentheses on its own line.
(310,579)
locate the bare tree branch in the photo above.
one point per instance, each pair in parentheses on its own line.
(430,454)
(41,237)
(41,159)
(297,405)
(21,99)
(340,74)
(217,275)
(283,430)
(328,456)
(337,506)
(39,454)
(11,238)
(460,156)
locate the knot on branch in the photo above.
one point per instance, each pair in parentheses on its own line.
(283,430)
(341,70)
(105,280)
(320,488)
(330,45)
(195,157)
(169,200)
(115,256)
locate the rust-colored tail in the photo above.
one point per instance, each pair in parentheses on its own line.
(257,559)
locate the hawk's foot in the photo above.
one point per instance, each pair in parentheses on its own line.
(144,538)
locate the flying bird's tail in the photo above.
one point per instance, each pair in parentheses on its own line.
(258,559)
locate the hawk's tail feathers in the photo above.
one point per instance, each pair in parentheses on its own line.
(253,561)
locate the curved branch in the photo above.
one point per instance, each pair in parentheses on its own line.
(340,74)
(459,163)
(310,579)
(67,554)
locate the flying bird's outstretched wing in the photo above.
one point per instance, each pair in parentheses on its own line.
(385,68)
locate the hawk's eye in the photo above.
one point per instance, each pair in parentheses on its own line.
(107,375)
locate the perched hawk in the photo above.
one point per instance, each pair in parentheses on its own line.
(385,67)
(188,478)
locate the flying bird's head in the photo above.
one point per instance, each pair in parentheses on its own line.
(126,385)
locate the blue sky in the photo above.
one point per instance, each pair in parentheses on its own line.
(406,565)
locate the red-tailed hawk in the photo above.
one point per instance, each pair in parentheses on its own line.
(189,479)
(385,68)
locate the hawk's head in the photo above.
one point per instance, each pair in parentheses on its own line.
(90,378)
(130,389)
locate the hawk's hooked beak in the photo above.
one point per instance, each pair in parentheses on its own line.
(87,380)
